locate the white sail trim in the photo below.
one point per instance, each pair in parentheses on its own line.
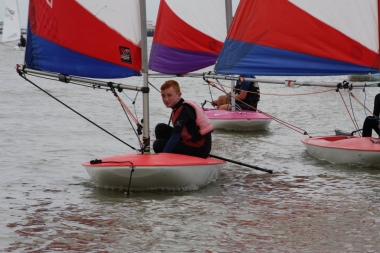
(207,16)
(121,15)
(11,25)
(358,19)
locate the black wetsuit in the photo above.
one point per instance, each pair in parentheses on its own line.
(22,42)
(251,99)
(168,139)
(372,122)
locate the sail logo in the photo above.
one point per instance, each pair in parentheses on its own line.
(9,13)
(125,54)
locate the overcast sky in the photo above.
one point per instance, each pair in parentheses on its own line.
(151,12)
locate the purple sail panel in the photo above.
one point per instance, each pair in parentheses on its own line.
(170,60)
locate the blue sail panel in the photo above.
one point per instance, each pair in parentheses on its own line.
(82,38)
(42,54)
(297,37)
(245,58)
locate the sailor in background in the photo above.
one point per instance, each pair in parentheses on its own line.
(247,91)
(372,122)
(22,41)
(191,131)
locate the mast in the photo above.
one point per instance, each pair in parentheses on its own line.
(228,4)
(144,70)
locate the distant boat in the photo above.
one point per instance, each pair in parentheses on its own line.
(11,25)
(344,149)
(305,38)
(194,43)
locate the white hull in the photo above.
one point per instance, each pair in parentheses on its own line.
(163,173)
(237,120)
(346,150)
(163,177)
(19,48)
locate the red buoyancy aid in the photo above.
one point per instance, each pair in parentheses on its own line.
(202,121)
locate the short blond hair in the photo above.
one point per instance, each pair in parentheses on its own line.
(171,83)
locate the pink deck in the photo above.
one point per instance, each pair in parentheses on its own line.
(162,159)
(234,115)
(345,142)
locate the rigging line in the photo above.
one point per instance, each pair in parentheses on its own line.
(365,99)
(209,89)
(86,86)
(268,115)
(47,93)
(365,108)
(128,112)
(125,107)
(348,110)
(139,127)
(93,86)
(353,114)
(221,85)
(352,110)
(285,95)
(154,87)
(133,102)
(290,126)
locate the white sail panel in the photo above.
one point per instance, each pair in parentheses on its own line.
(213,13)
(358,19)
(11,25)
(121,15)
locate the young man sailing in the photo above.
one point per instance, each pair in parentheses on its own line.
(191,131)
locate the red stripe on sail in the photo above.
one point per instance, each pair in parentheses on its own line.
(280,24)
(170,28)
(68,24)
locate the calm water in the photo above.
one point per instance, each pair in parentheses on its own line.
(48,203)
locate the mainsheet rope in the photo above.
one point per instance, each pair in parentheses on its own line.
(311,93)
(357,100)
(282,95)
(348,111)
(128,112)
(293,127)
(47,93)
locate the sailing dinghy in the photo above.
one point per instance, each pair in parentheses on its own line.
(11,24)
(344,149)
(195,43)
(53,47)
(304,38)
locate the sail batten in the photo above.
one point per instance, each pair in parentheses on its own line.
(301,38)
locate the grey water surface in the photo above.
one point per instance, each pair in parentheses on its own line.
(49,204)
